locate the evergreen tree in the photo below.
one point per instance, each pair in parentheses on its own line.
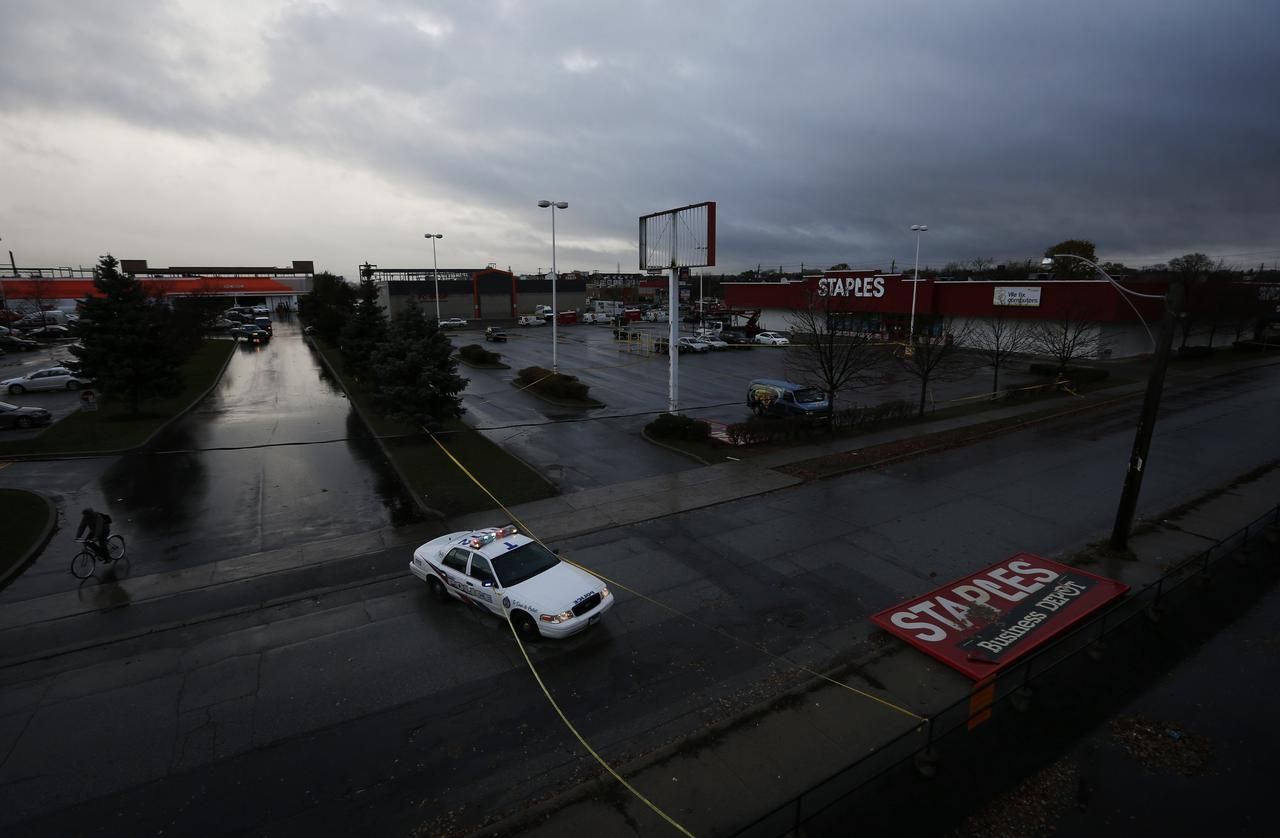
(416,373)
(126,339)
(366,327)
(328,306)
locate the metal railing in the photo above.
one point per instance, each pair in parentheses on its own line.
(919,743)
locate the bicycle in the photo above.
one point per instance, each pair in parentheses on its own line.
(86,561)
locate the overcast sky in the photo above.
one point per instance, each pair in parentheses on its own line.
(255,132)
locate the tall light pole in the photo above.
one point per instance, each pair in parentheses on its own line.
(919,230)
(555,310)
(1173,303)
(435,270)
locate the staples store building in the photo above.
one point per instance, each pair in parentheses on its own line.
(882,304)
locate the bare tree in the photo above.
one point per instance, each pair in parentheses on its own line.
(1075,333)
(937,358)
(42,289)
(999,339)
(828,355)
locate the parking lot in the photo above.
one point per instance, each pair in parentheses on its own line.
(61,403)
(580,448)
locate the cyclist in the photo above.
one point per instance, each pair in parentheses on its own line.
(98,527)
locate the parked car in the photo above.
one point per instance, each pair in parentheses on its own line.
(49,378)
(784,398)
(37,319)
(772,339)
(713,342)
(13,342)
(222,324)
(495,335)
(453,323)
(49,333)
(734,338)
(532,320)
(513,577)
(13,416)
(688,344)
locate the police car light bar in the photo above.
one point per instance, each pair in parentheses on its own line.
(489,536)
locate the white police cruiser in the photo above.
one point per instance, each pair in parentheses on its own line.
(515,577)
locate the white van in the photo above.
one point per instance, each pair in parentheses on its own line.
(532,320)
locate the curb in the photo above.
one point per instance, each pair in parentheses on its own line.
(645,436)
(38,546)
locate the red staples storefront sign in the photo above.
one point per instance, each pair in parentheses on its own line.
(982,622)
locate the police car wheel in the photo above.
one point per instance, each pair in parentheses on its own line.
(525,626)
(436,589)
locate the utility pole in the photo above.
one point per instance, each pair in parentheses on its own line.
(1173,303)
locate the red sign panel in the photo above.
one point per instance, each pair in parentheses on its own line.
(984,621)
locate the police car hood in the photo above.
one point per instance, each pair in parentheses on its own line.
(556,589)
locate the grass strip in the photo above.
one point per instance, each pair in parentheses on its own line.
(428,472)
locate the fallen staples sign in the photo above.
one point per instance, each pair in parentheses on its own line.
(984,621)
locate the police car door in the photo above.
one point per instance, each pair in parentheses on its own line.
(481,586)
(454,564)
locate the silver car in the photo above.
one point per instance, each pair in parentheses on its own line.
(51,378)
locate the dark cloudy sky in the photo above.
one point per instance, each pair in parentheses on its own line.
(257,132)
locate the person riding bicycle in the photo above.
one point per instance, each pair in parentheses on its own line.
(98,527)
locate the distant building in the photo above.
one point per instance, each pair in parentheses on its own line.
(869,301)
(476,293)
(62,288)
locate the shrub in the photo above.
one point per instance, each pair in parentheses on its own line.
(477,354)
(766,429)
(556,385)
(674,426)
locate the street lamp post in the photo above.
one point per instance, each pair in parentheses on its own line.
(919,230)
(555,310)
(435,270)
(1173,302)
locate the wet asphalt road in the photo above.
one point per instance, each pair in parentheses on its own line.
(274,456)
(401,710)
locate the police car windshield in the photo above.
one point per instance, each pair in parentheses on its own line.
(809,396)
(525,562)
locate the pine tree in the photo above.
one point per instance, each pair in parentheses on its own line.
(125,339)
(366,327)
(416,373)
(328,306)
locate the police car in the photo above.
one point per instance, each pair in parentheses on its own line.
(515,577)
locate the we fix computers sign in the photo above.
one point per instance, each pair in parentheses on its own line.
(986,620)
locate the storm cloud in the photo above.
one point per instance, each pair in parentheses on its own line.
(260,132)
